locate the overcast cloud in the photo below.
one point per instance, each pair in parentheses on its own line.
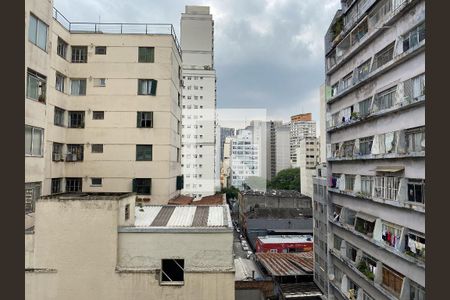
(269,53)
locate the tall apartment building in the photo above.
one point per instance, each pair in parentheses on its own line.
(102,107)
(224,133)
(282,148)
(199,102)
(307,159)
(375,64)
(244,159)
(302,126)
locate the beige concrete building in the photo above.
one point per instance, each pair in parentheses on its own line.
(101,246)
(307,158)
(302,126)
(102,107)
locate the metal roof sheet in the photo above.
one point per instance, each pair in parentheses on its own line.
(287,264)
(182,217)
(145,217)
(216,216)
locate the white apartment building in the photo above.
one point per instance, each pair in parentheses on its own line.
(302,126)
(308,154)
(102,107)
(375,98)
(201,176)
(244,158)
(282,145)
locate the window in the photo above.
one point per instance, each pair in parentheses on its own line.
(145,119)
(351,252)
(416,292)
(75,152)
(32,194)
(364,226)
(349,182)
(37,32)
(415,139)
(61,49)
(391,234)
(334,89)
(78,87)
(56,185)
(359,32)
(57,153)
(178,155)
(383,56)
(98,115)
(347,81)
(36,86)
(144,152)
(414,37)
(146,54)
(99,82)
(127,212)
(34,140)
(147,87)
(337,242)
(172,271)
(59,116)
(385,100)
(76,119)
(386,187)
(363,70)
(414,88)
(348,148)
(364,107)
(392,280)
(366,185)
(97,148)
(416,191)
(74,184)
(60,80)
(180,182)
(79,54)
(365,145)
(337,275)
(415,244)
(142,186)
(100,50)
(96,181)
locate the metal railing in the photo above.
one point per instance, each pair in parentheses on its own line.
(117,28)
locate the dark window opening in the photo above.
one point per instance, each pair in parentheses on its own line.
(96,181)
(147,87)
(79,54)
(145,119)
(56,185)
(59,116)
(100,50)
(144,152)
(98,115)
(142,186)
(172,270)
(61,49)
(75,152)
(76,119)
(97,148)
(57,153)
(74,184)
(146,54)
(127,212)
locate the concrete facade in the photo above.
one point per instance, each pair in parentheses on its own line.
(88,142)
(282,144)
(302,126)
(307,159)
(375,95)
(84,247)
(244,161)
(199,136)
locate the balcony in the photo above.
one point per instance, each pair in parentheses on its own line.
(375,24)
(117,28)
(382,62)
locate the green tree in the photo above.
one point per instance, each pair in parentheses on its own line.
(287,179)
(231,192)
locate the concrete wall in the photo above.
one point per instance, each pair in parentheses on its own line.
(283,160)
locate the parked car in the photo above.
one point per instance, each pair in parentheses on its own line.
(249,254)
(245,248)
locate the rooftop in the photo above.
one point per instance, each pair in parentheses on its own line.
(275,193)
(88,196)
(244,268)
(287,264)
(279,213)
(280,239)
(117,28)
(300,290)
(182,216)
(207,200)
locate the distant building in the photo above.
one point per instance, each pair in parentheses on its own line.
(284,243)
(308,154)
(244,160)
(282,145)
(224,133)
(101,246)
(302,126)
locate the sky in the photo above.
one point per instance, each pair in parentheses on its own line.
(269,54)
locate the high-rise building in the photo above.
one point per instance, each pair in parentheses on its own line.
(307,159)
(198,103)
(282,146)
(244,159)
(224,133)
(302,126)
(375,95)
(102,107)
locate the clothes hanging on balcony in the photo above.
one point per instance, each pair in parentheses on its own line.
(412,245)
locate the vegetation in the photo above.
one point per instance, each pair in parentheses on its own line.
(364,268)
(337,27)
(230,192)
(287,179)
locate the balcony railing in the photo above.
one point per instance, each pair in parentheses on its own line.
(117,28)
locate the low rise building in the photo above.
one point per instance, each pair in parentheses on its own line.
(284,243)
(102,246)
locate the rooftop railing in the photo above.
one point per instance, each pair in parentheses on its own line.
(117,28)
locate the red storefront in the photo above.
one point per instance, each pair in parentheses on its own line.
(284,243)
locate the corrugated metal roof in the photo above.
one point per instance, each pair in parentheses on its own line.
(176,216)
(287,264)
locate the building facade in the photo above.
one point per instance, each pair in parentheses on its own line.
(375,95)
(307,159)
(302,126)
(282,148)
(244,159)
(198,103)
(102,107)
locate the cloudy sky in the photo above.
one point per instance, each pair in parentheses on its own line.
(269,53)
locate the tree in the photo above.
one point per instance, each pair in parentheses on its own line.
(230,192)
(287,179)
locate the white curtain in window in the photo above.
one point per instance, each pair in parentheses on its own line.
(417,86)
(37,142)
(75,87)
(28,140)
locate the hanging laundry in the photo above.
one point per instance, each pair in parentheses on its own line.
(412,245)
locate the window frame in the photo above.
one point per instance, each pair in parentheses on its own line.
(142,183)
(146,57)
(98,115)
(100,50)
(82,88)
(141,120)
(99,183)
(59,117)
(61,84)
(36,33)
(41,151)
(180,263)
(61,48)
(77,55)
(59,185)
(144,152)
(71,121)
(36,189)
(72,183)
(41,86)
(144,83)
(98,148)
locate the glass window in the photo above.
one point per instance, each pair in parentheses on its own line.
(365,145)
(60,80)
(32,194)
(76,119)
(75,152)
(364,107)
(383,56)
(416,292)
(98,115)
(95,181)
(59,116)
(97,148)
(415,139)
(144,119)
(34,141)
(416,190)
(79,54)
(414,37)
(142,186)
(385,99)
(366,185)
(143,152)
(146,54)
(56,185)
(78,87)
(61,49)
(74,184)
(57,154)
(147,87)
(100,50)
(37,32)
(36,86)
(100,82)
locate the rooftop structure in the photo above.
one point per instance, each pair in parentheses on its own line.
(287,264)
(285,239)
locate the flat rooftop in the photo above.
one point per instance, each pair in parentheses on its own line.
(88,196)
(275,193)
(183,216)
(286,239)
